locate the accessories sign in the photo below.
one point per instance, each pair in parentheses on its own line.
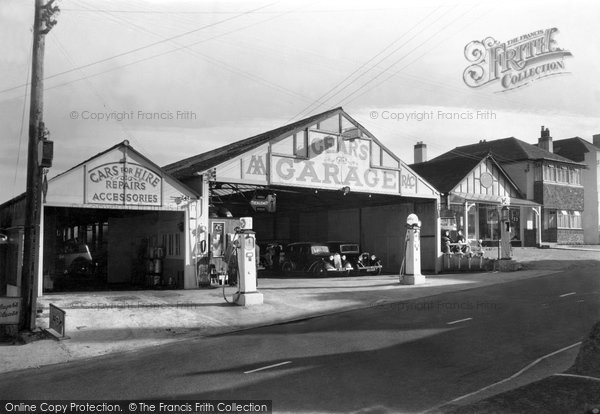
(123,184)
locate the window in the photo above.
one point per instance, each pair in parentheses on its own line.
(563,219)
(575,176)
(300,144)
(576,220)
(569,219)
(375,155)
(549,219)
(561,175)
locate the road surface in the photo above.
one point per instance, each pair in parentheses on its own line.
(402,357)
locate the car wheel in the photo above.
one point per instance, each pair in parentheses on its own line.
(378,271)
(80,267)
(286,268)
(319,270)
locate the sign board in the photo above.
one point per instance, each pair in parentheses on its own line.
(123,183)
(10,310)
(266,203)
(334,163)
(57,320)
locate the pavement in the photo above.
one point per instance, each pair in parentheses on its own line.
(101,323)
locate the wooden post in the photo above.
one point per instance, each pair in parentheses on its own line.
(33,202)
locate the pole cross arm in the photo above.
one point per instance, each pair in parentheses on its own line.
(49,12)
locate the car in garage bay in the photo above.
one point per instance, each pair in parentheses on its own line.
(313,258)
(362,263)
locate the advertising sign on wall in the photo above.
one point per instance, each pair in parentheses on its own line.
(123,184)
(333,163)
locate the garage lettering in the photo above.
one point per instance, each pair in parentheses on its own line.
(352,148)
(123,183)
(127,198)
(332,175)
(120,172)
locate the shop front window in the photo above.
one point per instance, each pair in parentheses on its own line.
(472,218)
(488,223)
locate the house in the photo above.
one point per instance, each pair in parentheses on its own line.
(473,190)
(540,175)
(579,150)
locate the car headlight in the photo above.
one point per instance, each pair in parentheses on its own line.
(331,257)
(344,257)
(373,257)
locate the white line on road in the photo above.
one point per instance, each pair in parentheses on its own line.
(567,294)
(267,367)
(537,361)
(458,321)
(577,376)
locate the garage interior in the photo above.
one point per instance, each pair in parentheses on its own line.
(375,221)
(91,249)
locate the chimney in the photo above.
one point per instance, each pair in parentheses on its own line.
(596,140)
(545,140)
(420,152)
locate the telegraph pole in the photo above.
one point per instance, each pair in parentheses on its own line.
(38,159)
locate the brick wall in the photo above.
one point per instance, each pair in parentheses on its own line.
(569,236)
(558,196)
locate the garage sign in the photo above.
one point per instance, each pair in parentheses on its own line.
(123,184)
(334,163)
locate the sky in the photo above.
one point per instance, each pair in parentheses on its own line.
(177,78)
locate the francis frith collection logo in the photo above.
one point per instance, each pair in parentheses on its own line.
(516,62)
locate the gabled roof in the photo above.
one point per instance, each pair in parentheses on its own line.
(574,148)
(445,174)
(202,162)
(505,150)
(125,143)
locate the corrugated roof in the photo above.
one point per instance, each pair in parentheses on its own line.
(505,150)
(202,162)
(574,148)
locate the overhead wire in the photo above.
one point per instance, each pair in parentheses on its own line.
(137,49)
(351,75)
(215,61)
(345,98)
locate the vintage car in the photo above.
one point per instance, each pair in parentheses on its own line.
(75,259)
(362,263)
(314,258)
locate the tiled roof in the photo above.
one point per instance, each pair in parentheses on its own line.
(574,148)
(445,174)
(202,162)
(505,150)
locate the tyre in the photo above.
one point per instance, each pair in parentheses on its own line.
(318,269)
(287,268)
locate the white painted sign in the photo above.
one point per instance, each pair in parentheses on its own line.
(123,184)
(333,163)
(10,309)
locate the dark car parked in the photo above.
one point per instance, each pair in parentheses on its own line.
(363,263)
(314,258)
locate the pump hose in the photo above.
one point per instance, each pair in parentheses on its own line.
(403,264)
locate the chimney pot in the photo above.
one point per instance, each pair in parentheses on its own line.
(420,152)
(545,140)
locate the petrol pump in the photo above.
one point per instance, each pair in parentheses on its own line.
(245,243)
(505,230)
(412,257)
